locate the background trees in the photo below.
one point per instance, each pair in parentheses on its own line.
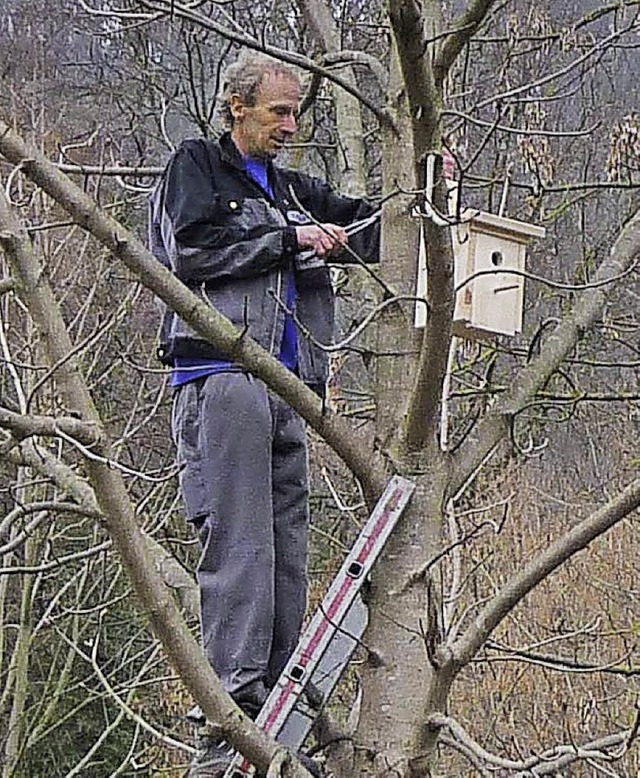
(459,676)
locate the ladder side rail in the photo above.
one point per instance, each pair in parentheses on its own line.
(326,622)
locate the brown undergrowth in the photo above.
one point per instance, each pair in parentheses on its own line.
(564,668)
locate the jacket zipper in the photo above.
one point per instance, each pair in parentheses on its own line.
(275,313)
(274,202)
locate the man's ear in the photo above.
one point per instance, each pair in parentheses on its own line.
(237,107)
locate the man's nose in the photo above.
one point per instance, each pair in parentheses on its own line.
(290,125)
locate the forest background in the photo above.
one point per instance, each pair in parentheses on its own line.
(504,613)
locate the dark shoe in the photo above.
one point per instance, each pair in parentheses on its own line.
(313,767)
(251,698)
(307,762)
(212,762)
(196,717)
(212,759)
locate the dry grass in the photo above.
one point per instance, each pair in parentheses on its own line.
(586,615)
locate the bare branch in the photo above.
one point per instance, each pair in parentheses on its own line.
(349,57)
(179,645)
(125,704)
(597,48)
(462,736)
(360,328)
(468,753)
(59,562)
(461,33)
(137,171)
(348,112)
(548,281)
(424,97)
(424,402)
(69,482)
(560,664)
(555,759)
(523,130)
(24,426)
(47,506)
(541,566)
(541,188)
(547,763)
(113,463)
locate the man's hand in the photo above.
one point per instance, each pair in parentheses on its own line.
(324,240)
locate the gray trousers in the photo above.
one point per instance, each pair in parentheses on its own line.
(244,484)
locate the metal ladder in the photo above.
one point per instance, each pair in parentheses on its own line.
(331,637)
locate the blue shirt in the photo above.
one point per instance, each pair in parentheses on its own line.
(186,370)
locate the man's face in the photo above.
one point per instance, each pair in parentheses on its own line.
(261,130)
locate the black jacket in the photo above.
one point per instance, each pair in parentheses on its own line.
(218,231)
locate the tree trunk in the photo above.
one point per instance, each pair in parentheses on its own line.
(403,631)
(398,342)
(349,127)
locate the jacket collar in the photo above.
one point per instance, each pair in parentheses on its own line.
(231,154)
(229,151)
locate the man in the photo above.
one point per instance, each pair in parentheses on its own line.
(232,225)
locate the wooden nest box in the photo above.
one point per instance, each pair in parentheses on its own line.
(492,302)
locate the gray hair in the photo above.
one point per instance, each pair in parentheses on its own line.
(243,78)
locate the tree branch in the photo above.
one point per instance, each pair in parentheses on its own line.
(547,763)
(597,48)
(555,759)
(561,664)
(48,426)
(426,394)
(45,506)
(531,133)
(351,57)
(348,111)
(137,171)
(424,96)
(575,540)
(462,31)
(70,483)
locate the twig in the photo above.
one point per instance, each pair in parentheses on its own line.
(137,171)
(114,464)
(522,130)
(330,348)
(122,704)
(354,228)
(539,568)
(560,664)
(60,562)
(342,506)
(548,281)
(595,49)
